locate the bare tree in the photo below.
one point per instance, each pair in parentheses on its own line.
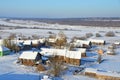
(35,36)
(7,43)
(61,39)
(56,66)
(110,34)
(12,36)
(99,58)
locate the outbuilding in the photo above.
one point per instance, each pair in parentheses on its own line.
(29,58)
(4,51)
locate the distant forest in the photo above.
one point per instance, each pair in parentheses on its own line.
(102,22)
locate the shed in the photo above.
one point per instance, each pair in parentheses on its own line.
(82,43)
(29,57)
(97,41)
(4,51)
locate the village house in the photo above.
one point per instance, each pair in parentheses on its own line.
(29,58)
(117,43)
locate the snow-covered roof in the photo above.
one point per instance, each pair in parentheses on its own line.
(81,42)
(52,40)
(96,40)
(27,42)
(61,52)
(42,40)
(35,41)
(3,48)
(73,54)
(92,70)
(82,50)
(117,43)
(108,74)
(20,41)
(45,77)
(28,55)
(47,51)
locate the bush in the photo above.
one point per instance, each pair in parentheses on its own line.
(88,35)
(110,34)
(35,36)
(52,36)
(12,36)
(98,35)
(49,32)
(40,67)
(80,38)
(7,43)
(83,38)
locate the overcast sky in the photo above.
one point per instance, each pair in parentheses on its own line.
(59,8)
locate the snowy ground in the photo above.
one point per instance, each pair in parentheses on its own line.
(10,70)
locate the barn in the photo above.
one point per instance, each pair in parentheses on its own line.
(29,58)
(71,57)
(4,51)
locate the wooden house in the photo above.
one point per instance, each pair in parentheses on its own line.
(90,72)
(35,43)
(71,57)
(82,43)
(117,43)
(97,41)
(51,41)
(29,58)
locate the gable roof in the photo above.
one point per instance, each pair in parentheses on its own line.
(3,48)
(28,55)
(27,42)
(61,52)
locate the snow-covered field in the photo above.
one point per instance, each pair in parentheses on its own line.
(10,70)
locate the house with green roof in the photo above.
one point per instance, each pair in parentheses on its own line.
(4,51)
